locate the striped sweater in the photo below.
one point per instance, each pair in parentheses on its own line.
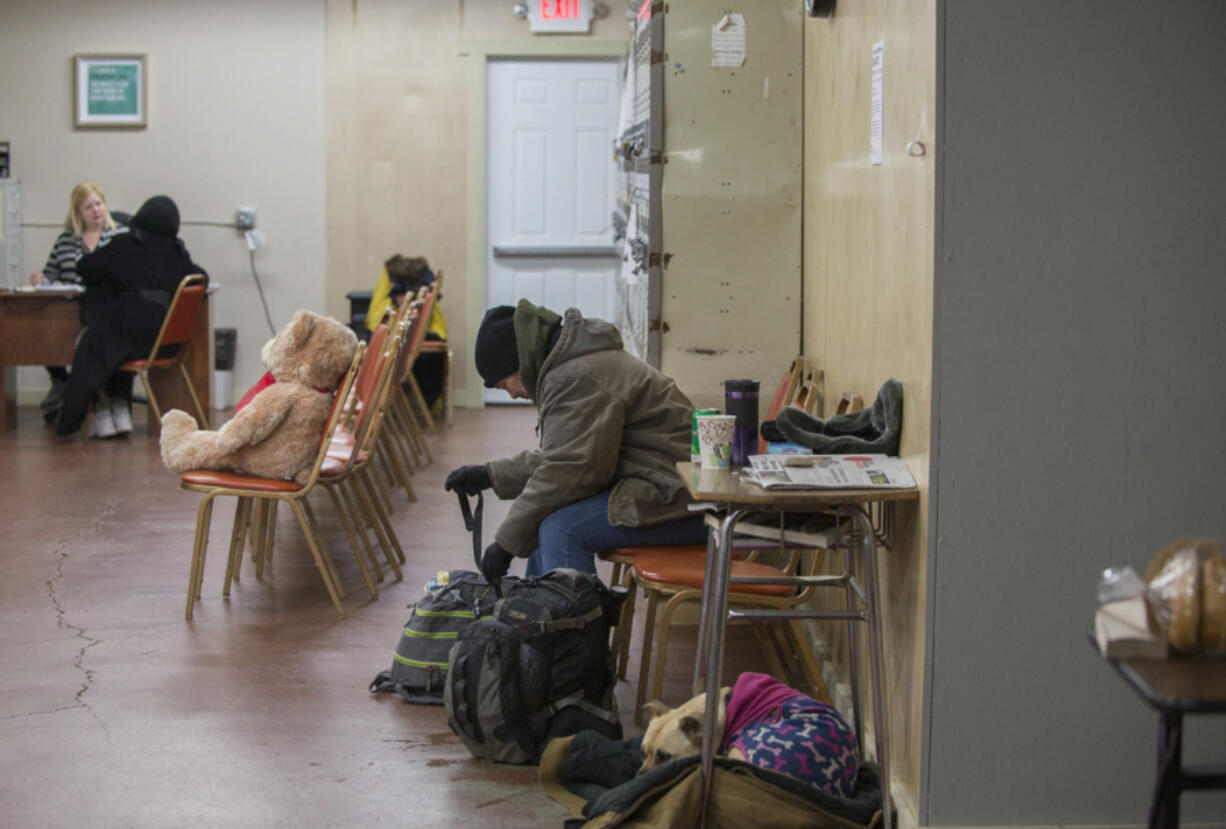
(61,264)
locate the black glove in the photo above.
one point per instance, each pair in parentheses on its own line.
(468,479)
(495,562)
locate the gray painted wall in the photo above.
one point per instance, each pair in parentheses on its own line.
(1079,388)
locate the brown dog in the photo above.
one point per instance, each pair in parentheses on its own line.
(677,732)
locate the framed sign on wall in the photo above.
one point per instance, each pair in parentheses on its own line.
(109,90)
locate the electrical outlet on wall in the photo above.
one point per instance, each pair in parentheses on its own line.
(244,218)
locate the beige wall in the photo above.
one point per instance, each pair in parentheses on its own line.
(236,117)
(868,281)
(405,158)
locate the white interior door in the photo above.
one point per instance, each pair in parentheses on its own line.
(550,180)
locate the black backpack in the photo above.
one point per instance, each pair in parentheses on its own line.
(538,668)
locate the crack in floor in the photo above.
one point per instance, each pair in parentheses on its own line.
(78,662)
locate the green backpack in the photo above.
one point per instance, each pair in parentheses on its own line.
(419,664)
(452,601)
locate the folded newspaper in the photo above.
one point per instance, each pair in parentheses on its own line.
(828,472)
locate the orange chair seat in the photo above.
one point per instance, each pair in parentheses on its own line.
(139,364)
(231,480)
(688,570)
(627,554)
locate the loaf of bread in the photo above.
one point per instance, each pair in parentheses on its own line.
(1213,605)
(1187,593)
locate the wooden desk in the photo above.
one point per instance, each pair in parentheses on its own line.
(40,328)
(1174,687)
(740,499)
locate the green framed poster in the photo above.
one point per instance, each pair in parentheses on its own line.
(109,90)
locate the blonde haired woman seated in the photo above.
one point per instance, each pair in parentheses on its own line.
(89,223)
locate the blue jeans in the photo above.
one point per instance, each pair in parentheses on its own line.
(571,536)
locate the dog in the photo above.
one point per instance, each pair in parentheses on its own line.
(765,723)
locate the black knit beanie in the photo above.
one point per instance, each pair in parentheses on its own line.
(496,352)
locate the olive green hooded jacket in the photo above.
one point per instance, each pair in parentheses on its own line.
(607,420)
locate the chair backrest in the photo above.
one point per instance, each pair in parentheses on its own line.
(334,415)
(180,321)
(783,392)
(368,372)
(850,403)
(364,439)
(418,333)
(370,393)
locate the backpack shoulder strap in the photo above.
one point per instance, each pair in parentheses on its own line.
(570,623)
(579,702)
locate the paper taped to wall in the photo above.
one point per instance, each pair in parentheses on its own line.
(728,41)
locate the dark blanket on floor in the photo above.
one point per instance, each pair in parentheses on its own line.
(597,779)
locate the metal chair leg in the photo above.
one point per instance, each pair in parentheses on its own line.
(320,562)
(191,388)
(204,515)
(358,552)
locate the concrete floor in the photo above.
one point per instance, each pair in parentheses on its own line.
(115,711)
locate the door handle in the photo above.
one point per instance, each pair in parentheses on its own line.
(556,250)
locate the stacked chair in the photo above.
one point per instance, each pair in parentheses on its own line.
(676,577)
(347,473)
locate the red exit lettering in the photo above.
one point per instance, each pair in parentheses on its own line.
(559,9)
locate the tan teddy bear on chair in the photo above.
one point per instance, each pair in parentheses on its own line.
(276,435)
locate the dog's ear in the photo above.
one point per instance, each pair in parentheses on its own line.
(691,727)
(655,708)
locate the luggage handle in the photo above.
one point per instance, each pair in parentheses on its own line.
(472,522)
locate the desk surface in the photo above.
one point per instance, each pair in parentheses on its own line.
(40,328)
(1184,684)
(20,292)
(725,486)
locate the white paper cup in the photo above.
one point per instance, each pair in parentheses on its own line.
(715,440)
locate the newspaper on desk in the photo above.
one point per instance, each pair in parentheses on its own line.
(828,472)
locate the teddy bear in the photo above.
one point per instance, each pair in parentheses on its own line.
(276,435)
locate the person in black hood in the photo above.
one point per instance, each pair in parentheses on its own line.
(129,284)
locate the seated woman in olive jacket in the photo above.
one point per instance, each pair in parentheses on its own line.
(129,283)
(611,430)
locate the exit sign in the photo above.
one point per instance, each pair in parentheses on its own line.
(560,15)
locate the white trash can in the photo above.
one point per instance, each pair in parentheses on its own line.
(223,385)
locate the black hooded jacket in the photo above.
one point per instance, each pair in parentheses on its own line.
(130,280)
(148,258)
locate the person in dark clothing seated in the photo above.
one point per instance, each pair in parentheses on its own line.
(129,283)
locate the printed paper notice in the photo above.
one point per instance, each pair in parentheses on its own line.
(875,130)
(728,41)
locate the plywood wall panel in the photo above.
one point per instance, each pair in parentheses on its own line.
(730,285)
(868,280)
